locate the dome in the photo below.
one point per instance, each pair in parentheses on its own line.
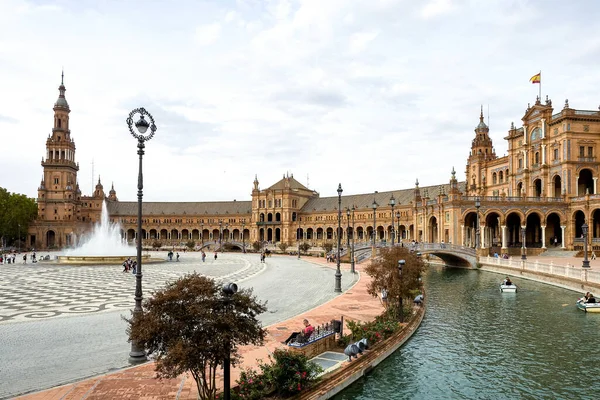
(61,102)
(481,125)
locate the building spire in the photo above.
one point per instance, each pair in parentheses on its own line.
(62,101)
(481,114)
(62,77)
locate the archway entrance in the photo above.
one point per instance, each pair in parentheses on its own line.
(533,232)
(433,230)
(537,188)
(470,229)
(513,228)
(553,230)
(557,186)
(492,235)
(585,183)
(50,239)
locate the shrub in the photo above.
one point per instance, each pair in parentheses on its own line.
(375,331)
(289,373)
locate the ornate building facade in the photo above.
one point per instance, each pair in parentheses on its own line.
(542,192)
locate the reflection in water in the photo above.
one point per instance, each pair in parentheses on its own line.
(478,343)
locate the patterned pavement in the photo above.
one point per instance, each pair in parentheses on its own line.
(37,291)
(60,324)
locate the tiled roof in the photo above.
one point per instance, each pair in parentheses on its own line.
(294,184)
(181,208)
(362,201)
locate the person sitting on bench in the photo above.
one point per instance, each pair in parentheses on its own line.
(303,336)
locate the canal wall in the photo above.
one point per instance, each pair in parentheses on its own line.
(336,381)
(565,276)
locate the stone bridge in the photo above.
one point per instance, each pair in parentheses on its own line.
(217,246)
(451,254)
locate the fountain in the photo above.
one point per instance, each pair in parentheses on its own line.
(103,245)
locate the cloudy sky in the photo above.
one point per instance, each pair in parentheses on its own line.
(373,94)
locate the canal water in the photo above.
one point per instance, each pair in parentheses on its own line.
(478,343)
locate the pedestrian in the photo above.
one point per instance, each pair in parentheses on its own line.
(177,257)
(203,256)
(215,255)
(25,258)
(593,255)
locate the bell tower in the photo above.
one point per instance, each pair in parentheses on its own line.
(57,194)
(482,151)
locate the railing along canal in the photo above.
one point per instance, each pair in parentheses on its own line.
(569,271)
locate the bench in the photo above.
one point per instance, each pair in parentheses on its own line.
(323,339)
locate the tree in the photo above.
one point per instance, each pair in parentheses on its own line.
(304,247)
(283,246)
(256,246)
(190,244)
(156,244)
(385,274)
(17,211)
(190,326)
(328,246)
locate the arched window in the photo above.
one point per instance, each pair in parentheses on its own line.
(494,178)
(537,157)
(536,134)
(500,177)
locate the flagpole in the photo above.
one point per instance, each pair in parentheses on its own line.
(540,85)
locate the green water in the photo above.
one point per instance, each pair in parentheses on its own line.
(477,343)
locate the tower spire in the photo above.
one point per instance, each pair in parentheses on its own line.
(481,114)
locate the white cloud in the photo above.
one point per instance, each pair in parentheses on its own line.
(435,8)
(342,90)
(359,41)
(207,34)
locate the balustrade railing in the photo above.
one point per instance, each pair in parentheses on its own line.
(567,271)
(320,332)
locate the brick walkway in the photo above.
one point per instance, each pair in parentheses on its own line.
(140,383)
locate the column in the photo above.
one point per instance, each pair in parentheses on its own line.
(462,235)
(543,236)
(524,134)
(562,227)
(503,235)
(524,239)
(482,235)
(543,128)
(543,154)
(595,185)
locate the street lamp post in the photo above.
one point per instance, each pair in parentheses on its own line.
(298,236)
(401,264)
(243,238)
(392,204)
(348,234)
(523,250)
(338,273)
(228,290)
(586,262)
(202,234)
(398,228)
(138,354)
(353,238)
(374,206)
(477,205)
(221,235)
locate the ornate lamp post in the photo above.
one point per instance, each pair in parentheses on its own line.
(298,236)
(586,262)
(477,205)
(523,250)
(348,229)
(398,230)
(338,273)
(353,238)
(392,204)
(137,354)
(221,235)
(243,238)
(374,207)
(228,290)
(401,264)
(202,234)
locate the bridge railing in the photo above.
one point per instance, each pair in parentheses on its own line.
(449,247)
(562,270)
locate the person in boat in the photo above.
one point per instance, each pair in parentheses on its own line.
(586,297)
(591,299)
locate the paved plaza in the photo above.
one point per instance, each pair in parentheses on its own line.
(59,323)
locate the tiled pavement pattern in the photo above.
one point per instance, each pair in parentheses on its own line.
(43,352)
(36,291)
